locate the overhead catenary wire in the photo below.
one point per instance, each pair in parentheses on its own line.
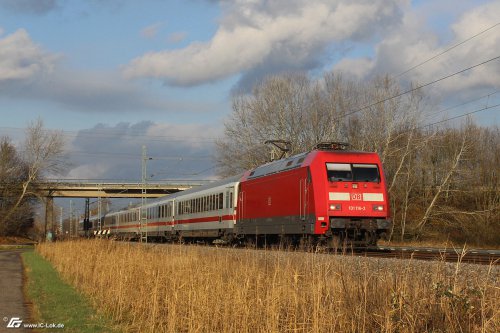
(447,50)
(103,133)
(133,156)
(419,87)
(459,116)
(433,114)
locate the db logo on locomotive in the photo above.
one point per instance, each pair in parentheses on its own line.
(356,196)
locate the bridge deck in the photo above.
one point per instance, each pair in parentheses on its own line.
(110,190)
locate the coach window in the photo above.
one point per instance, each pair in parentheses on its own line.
(221,201)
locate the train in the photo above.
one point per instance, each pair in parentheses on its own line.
(327,196)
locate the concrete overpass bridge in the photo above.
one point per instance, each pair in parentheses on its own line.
(49,190)
(84,189)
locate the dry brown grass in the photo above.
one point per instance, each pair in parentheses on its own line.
(198,289)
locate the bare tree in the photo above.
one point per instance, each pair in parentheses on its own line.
(41,154)
(288,107)
(451,167)
(13,171)
(273,111)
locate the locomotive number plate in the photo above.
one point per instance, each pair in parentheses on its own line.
(356,196)
(357,208)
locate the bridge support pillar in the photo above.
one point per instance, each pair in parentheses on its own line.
(49,219)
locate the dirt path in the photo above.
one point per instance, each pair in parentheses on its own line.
(12,302)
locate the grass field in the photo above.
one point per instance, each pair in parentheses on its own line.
(176,288)
(56,302)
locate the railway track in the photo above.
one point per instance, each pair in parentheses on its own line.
(473,256)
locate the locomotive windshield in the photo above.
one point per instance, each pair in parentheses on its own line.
(338,172)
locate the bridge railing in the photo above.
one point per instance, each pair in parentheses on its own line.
(125,182)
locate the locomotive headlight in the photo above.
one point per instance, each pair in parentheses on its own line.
(378,208)
(336,207)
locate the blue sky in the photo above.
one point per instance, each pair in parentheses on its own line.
(118,74)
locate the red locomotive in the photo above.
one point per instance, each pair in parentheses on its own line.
(325,196)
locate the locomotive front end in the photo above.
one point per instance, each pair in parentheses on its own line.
(352,197)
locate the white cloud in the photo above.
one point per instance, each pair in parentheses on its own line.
(29,72)
(414,43)
(22,59)
(176,37)
(151,31)
(255,33)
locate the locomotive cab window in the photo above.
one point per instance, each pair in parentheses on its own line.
(365,173)
(338,172)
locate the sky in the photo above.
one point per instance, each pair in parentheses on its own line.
(116,75)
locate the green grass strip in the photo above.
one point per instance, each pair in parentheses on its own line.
(57,302)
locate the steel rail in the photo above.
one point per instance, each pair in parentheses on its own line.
(473,256)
